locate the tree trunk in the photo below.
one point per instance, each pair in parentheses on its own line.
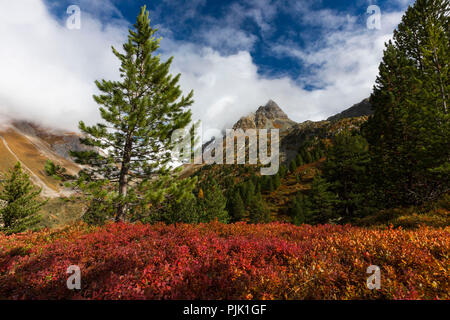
(441,84)
(123,179)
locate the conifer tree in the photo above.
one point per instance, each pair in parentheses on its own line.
(131,148)
(282,171)
(213,205)
(248,191)
(267,184)
(409,133)
(346,169)
(321,201)
(237,206)
(299,210)
(292,166)
(307,156)
(276,181)
(20,201)
(186,211)
(299,160)
(258,210)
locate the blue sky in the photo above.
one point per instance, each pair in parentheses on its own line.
(314,58)
(254,25)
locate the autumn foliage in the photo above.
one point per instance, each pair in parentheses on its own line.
(217,261)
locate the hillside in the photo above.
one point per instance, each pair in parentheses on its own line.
(32,145)
(363,108)
(293,137)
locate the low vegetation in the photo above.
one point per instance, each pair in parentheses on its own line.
(225,261)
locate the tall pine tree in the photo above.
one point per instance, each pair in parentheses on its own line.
(132,147)
(346,169)
(409,133)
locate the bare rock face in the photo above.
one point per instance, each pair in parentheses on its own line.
(269,116)
(58,141)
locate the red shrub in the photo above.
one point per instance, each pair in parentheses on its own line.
(216,261)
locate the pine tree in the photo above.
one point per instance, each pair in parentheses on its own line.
(307,156)
(248,191)
(140,113)
(346,169)
(185,211)
(20,202)
(299,160)
(56,171)
(237,208)
(213,205)
(258,210)
(282,171)
(321,202)
(292,166)
(409,133)
(276,181)
(299,210)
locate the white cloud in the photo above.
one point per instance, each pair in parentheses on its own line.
(344,66)
(48,71)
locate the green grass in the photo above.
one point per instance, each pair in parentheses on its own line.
(59,212)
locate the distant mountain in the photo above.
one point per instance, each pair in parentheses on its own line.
(269,116)
(363,108)
(32,145)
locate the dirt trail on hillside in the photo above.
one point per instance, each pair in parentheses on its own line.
(46,191)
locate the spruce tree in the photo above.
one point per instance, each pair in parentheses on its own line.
(20,201)
(409,133)
(307,156)
(267,184)
(131,149)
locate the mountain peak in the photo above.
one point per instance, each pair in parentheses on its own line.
(269,116)
(272,111)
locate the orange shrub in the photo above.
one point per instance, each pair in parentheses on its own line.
(217,261)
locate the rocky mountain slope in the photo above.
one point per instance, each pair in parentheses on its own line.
(33,145)
(363,108)
(269,116)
